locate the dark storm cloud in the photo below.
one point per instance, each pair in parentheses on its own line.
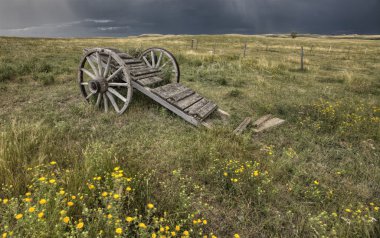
(132,17)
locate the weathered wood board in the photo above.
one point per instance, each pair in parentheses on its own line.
(269,124)
(242,126)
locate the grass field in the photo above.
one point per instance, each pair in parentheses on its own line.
(68,169)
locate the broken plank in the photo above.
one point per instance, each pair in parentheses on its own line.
(269,124)
(187,102)
(149,81)
(192,110)
(242,126)
(206,110)
(262,119)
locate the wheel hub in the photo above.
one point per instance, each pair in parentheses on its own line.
(98,85)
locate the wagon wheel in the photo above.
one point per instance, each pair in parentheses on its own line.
(162,59)
(104,80)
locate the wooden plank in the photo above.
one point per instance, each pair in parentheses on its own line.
(206,110)
(181,95)
(145,76)
(169,90)
(124,56)
(132,61)
(150,81)
(144,71)
(243,126)
(192,110)
(165,104)
(269,124)
(262,119)
(187,102)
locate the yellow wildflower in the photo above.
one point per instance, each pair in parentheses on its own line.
(204,222)
(104,194)
(18,216)
(40,215)
(116,196)
(91,186)
(66,220)
(316,182)
(42,201)
(31,209)
(348,210)
(5,200)
(129,219)
(80,225)
(27,199)
(119,230)
(150,206)
(256,173)
(63,212)
(142,225)
(372,204)
(62,192)
(52,181)
(334,214)
(172,233)
(116,168)
(129,188)
(28,194)
(162,229)
(167,228)
(73,197)
(109,216)
(53,162)
(177,228)
(4,235)
(186,233)
(376,208)
(225,174)
(154,235)
(236,236)
(70,204)
(42,179)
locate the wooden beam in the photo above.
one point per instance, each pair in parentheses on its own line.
(243,126)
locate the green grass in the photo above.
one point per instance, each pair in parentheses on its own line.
(317,175)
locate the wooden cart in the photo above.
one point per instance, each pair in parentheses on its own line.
(108,76)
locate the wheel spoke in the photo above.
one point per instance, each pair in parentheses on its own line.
(105,103)
(99,63)
(118,84)
(114,74)
(159,60)
(164,65)
(107,66)
(89,96)
(109,95)
(98,100)
(146,61)
(88,73)
(153,59)
(117,94)
(92,66)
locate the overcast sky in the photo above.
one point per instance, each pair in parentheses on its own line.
(82,18)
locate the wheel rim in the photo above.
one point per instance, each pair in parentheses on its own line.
(162,59)
(104,80)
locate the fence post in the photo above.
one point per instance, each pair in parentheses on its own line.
(302,58)
(245,49)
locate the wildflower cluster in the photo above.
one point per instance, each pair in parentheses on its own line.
(105,206)
(360,218)
(348,120)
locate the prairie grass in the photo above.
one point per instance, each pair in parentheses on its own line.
(318,175)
